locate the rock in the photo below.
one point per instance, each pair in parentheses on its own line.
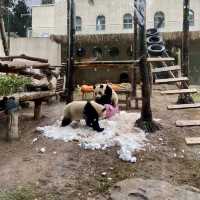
(140,189)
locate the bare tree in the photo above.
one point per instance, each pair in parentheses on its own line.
(2,29)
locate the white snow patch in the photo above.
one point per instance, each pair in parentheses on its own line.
(119,131)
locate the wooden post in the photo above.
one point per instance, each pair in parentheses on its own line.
(69,86)
(134,73)
(185,40)
(13,127)
(186,98)
(146,121)
(37,109)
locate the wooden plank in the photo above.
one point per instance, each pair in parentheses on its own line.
(107,62)
(166,69)
(171,80)
(160,59)
(181,91)
(183,106)
(183,123)
(192,140)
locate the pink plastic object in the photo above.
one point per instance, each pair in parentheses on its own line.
(111,110)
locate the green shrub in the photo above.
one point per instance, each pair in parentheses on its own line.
(10,84)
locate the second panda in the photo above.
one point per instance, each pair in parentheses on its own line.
(88,110)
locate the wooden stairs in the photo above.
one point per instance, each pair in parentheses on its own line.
(166,65)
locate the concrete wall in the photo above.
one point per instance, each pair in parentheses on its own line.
(38,47)
(43,22)
(113,10)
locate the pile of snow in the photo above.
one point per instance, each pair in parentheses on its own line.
(119,131)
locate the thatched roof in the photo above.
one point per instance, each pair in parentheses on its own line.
(108,38)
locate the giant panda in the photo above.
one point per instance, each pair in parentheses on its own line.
(104,94)
(88,110)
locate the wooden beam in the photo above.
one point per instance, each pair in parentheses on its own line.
(181,91)
(183,106)
(183,123)
(107,62)
(192,140)
(171,80)
(166,69)
(10,58)
(160,59)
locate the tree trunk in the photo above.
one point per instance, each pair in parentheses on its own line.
(146,121)
(13,129)
(3,36)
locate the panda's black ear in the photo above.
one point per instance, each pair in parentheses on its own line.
(101,86)
(94,87)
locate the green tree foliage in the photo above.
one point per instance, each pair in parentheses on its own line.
(18,17)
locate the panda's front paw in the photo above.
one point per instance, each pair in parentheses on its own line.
(100,129)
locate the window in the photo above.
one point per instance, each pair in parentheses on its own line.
(97,52)
(100,23)
(114,51)
(78,23)
(128,21)
(159,20)
(191,17)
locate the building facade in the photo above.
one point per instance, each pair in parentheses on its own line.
(111,17)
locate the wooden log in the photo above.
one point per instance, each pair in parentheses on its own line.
(181,91)
(183,106)
(192,140)
(13,127)
(37,109)
(183,123)
(10,58)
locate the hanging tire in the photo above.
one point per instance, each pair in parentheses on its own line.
(152,32)
(156,39)
(156,49)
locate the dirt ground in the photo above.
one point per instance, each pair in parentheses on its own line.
(65,171)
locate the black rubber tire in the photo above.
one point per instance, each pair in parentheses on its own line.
(156,39)
(156,49)
(152,32)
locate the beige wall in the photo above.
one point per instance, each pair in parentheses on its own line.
(38,47)
(114,11)
(43,22)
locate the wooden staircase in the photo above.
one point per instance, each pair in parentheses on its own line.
(166,65)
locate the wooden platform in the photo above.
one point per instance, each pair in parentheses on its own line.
(160,59)
(181,91)
(171,80)
(183,106)
(183,123)
(192,140)
(166,69)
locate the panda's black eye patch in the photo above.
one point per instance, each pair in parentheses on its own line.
(100,93)
(101,86)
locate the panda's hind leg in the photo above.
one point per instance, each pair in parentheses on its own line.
(66,121)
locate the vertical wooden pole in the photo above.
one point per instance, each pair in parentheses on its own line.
(146,121)
(134,73)
(69,86)
(185,40)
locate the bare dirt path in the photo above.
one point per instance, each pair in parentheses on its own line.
(65,171)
